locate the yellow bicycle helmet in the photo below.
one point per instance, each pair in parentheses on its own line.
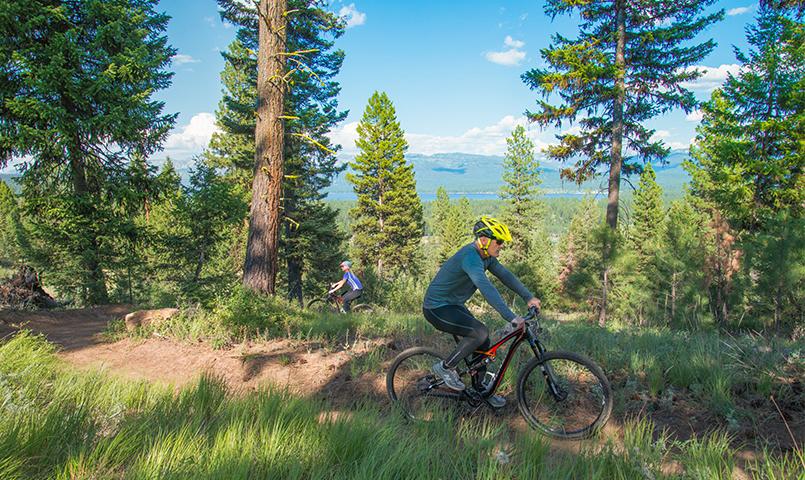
(492,228)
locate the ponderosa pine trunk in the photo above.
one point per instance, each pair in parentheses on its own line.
(616,161)
(261,266)
(95,280)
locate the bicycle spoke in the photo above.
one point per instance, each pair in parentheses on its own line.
(416,390)
(564,396)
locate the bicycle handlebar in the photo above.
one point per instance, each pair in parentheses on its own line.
(533,314)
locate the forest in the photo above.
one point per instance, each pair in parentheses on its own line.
(692,302)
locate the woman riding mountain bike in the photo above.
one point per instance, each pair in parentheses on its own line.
(456,282)
(353,283)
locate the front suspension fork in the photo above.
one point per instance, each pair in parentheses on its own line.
(547,372)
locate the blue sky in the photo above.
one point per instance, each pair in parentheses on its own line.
(452,70)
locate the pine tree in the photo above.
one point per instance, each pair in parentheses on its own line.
(748,151)
(194,228)
(311,110)
(232,148)
(648,216)
(522,211)
(387,223)
(627,66)
(578,257)
(260,267)
(747,163)
(680,263)
(9,217)
(452,224)
(440,211)
(76,97)
(778,254)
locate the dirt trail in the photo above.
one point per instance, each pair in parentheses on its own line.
(302,367)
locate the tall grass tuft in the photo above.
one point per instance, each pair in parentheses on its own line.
(646,453)
(708,457)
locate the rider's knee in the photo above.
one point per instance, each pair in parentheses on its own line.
(482,333)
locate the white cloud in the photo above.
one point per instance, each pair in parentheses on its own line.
(510,42)
(508,58)
(486,140)
(679,145)
(738,11)
(511,57)
(352,16)
(345,135)
(694,116)
(181,59)
(665,136)
(712,77)
(189,140)
(182,144)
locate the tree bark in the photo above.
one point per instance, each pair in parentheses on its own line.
(673,296)
(382,225)
(261,266)
(95,285)
(616,160)
(602,312)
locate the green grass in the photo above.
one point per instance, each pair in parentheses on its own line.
(718,372)
(728,380)
(278,319)
(59,423)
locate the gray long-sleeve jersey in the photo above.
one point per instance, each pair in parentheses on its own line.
(465,272)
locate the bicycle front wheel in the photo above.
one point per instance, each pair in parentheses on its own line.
(564,394)
(414,388)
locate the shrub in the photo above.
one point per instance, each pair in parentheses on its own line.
(247,313)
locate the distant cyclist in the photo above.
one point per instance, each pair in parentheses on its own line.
(455,283)
(353,283)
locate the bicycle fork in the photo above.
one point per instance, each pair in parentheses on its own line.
(547,372)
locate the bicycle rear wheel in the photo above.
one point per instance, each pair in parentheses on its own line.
(414,388)
(564,395)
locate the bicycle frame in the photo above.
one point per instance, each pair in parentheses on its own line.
(335,299)
(478,362)
(524,333)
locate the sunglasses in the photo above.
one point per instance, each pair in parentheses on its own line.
(499,242)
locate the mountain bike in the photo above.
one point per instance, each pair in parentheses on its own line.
(562,394)
(333,303)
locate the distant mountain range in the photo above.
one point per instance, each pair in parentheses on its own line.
(481,176)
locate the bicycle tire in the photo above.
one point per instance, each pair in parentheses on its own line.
(320,305)
(587,402)
(362,308)
(415,390)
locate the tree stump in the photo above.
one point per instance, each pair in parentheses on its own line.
(24,289)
